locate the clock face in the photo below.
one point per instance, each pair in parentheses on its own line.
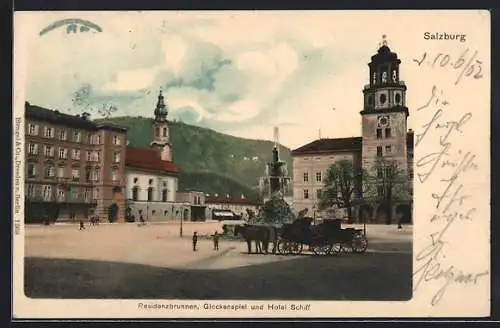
(383,121)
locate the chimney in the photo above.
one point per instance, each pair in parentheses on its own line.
(242,196)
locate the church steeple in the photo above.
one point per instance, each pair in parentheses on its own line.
(161,110)
(161,141)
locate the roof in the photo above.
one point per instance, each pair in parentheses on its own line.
(340,144)
(330,145)
(56,117)
(230,200)
(148,159)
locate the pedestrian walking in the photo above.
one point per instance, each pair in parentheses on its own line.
(141,218)
(216,241)
(82,225)
(195,241)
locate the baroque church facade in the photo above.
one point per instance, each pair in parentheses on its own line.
(384,135)
(151,181)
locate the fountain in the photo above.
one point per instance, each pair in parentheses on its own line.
(273,187)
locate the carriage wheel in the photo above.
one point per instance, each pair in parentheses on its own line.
(322,249)
(346,248)
(283,247)
(336,248)
(296,248)
(359,244)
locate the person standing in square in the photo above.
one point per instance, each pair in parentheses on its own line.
(195,241)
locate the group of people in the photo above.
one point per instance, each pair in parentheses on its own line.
(215,239)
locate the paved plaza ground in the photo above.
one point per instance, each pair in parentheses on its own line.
(152,261)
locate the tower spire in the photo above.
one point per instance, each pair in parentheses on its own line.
(161,110)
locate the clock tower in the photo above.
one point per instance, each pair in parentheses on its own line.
(384,114)
(161,140)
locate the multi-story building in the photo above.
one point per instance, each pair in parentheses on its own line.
(151,175)
(384,135)
(73,166)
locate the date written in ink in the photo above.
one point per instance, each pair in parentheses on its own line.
(466,64)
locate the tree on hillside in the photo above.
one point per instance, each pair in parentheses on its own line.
(386,184)
(340,185)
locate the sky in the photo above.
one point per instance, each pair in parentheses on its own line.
(239,73)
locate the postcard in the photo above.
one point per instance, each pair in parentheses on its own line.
(251,164)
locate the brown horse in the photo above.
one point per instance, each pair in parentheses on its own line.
(262,235)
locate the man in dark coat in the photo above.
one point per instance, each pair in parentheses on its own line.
(195,241)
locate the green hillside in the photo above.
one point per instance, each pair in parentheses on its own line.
(209,161)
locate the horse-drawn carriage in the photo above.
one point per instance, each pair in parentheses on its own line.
(323,239)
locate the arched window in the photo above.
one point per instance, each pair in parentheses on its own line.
(164,132)
(164,195)
(150,194)
(157,131)
(135,193)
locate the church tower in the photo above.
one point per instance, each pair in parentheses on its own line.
(384,114)
(160,141)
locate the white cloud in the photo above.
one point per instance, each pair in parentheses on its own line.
(131,80)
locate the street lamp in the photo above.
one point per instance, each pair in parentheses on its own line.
(182,219)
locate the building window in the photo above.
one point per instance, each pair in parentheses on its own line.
(306,177)
(33,129)
(86,194)
(75,174)
(388,149)
(89,156)
(379,151)
(379,133)
(49,132)
(77,136)
(49,172)
(157,131)
(116,140)
(60,194)
(62,135)
(318,176)
(318,194)
(135,193)
(74,194)
(31,170)
(63,153)
(49,151)
(306,194)
(150,181)
(31,191)
(164,195)
(47,192)
(33,149)
(75,154)
(164,132)
(97,175)
(388,133)
(135,180)
(150,194)
(380,172)
(116,157)
(98,156)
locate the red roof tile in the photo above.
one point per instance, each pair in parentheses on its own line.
(148,159)
(330,145)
